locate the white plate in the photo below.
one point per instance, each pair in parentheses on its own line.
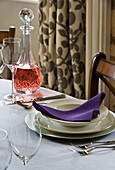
(68,104)
(29,120)
(90,128)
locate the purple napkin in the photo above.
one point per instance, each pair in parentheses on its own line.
(82,113)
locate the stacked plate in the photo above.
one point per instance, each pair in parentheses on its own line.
(102,125)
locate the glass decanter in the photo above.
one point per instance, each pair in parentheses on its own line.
(27,76)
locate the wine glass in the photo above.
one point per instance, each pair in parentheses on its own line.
(11,53)
(2,65)
(5,150)
(25,142)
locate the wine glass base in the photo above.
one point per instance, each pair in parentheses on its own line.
(1,103)
(9,97)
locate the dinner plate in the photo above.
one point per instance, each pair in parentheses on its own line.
(90,128)
(68,104)
(30,121)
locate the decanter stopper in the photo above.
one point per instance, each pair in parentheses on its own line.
(26,15)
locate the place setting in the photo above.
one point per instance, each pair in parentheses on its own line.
(73,118)
(54,108)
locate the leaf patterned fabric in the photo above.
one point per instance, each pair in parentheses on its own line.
(62,45)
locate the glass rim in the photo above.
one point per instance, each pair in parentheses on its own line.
(5,134)
(11,39)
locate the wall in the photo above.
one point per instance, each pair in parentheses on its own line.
(9,11)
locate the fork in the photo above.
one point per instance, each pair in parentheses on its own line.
(98,144)
(88,151)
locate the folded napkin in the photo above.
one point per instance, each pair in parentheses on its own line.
(82,113)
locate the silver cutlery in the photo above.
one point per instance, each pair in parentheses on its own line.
(86,146)
(88,151)
(29,106)
(58,96)
(26,106)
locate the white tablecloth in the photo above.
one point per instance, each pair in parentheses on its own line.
(54,153)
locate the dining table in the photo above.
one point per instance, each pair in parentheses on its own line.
(53,153)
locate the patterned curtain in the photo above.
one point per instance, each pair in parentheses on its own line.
(112,98)
(62,45)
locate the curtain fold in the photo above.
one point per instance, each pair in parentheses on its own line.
(62,45)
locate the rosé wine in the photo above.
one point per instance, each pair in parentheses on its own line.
(27,79)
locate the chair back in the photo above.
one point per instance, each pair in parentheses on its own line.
(6,34)
(100,69)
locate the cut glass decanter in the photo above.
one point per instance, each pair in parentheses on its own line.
(27,75)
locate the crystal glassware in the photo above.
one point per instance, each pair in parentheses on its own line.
(11,53)
(25,142)
(5,150)
(27,76)
(2,65)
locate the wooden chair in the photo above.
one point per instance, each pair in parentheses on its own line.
(6,34)
(100,69)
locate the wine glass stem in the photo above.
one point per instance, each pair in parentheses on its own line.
(13,94)
(25,163)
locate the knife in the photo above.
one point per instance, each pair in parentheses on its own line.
(21,102)
(59,96)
